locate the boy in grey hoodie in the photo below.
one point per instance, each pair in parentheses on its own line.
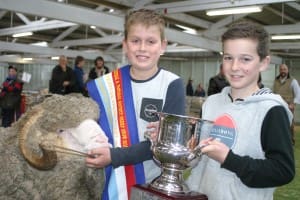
(253,151)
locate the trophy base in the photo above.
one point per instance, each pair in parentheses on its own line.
(141,192)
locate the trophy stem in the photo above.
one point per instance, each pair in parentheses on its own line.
(170,181)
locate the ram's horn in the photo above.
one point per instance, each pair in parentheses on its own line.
(48,159)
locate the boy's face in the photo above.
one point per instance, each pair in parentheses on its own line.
(143,46)
(242,64)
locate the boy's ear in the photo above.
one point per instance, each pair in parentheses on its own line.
(264,64)
(124,46)
(163,46)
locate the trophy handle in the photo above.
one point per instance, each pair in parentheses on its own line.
(147,135)
(198,150)
(195,155)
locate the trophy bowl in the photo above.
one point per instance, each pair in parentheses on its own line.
(176,149)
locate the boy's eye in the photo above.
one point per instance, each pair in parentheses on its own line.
(245,59)
(227,58)
(150,41)
(134,40)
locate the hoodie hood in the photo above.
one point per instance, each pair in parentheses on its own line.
(264,94)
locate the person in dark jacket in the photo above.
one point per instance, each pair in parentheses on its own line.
(259,82)
(79,86)
(199,92)
(217,83)
(99,69)
(11,87)
(189,88)
(62,78)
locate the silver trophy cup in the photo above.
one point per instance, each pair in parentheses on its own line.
(176,149)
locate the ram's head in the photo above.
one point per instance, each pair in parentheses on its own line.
(43,124)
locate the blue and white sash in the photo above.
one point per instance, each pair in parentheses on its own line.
(113,94)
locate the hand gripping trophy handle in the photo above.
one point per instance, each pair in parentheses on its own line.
(176,148)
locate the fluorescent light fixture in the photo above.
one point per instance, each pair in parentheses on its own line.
(22,34)
(92,27)
(285,37)
(41,44)
(54,57)
(187,29)
(27,59)
(235,10)
(183,49)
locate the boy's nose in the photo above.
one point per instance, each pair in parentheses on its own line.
(142,46)
(235,64)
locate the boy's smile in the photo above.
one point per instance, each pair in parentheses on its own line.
(142,58)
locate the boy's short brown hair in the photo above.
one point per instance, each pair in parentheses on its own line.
(145,17)
(250,30)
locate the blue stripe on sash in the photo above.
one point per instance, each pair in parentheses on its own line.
(131,119)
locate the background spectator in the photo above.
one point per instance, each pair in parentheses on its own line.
(259,82)
(288,88)
(199,92)
(189,88)
(10,97)
(62,78)
(99,69)
(79,86)
(217,83)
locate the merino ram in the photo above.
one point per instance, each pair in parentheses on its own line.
(28,171)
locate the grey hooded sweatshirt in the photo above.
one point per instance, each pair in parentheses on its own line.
(257,131)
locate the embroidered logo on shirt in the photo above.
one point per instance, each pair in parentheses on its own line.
(149,107)
(224,129)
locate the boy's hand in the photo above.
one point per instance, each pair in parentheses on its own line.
(215,149)
(152,131)
(99,157)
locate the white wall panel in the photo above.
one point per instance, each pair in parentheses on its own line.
(268,76)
